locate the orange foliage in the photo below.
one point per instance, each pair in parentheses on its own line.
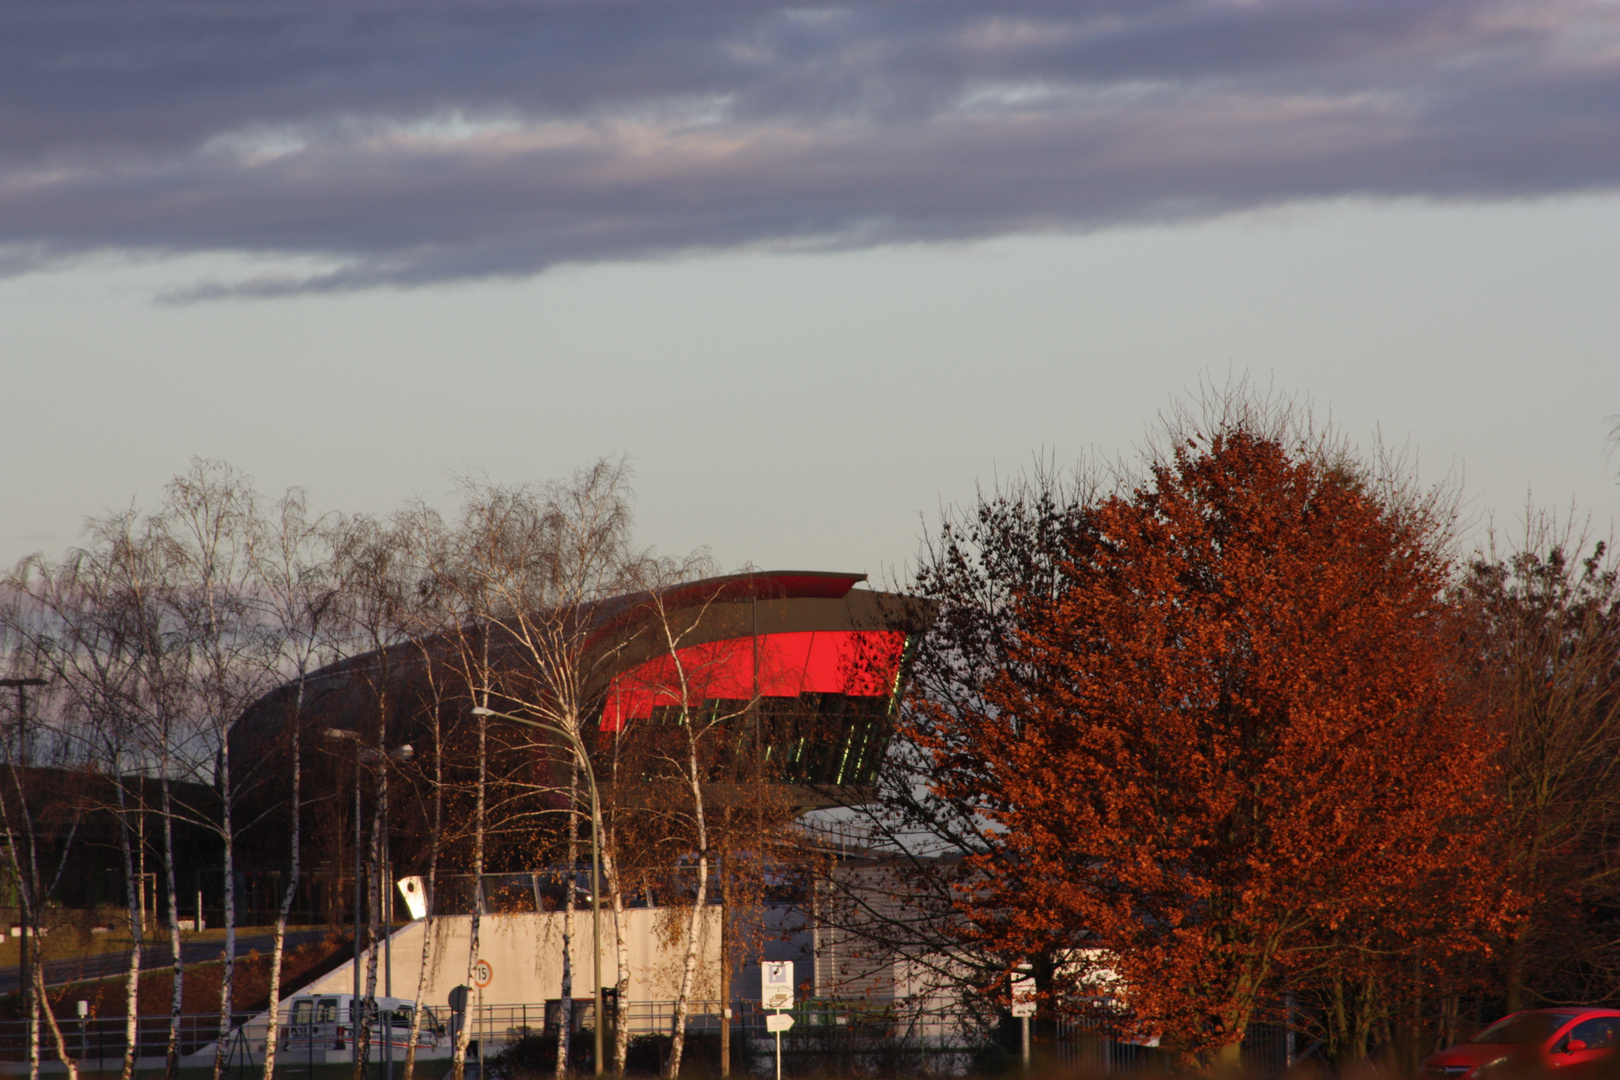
(1228,749)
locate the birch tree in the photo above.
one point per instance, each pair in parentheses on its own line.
(29,835)
(209,522)
(82,633)
(297,584)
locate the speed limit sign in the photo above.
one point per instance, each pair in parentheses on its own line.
(483,973)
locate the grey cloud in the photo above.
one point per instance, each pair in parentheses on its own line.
(410,143)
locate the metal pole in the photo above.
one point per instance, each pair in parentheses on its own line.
(1024,1023)
(778,1055)
(387,894)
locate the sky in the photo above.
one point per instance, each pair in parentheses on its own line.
(817,271)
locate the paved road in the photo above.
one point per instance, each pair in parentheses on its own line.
(154,955)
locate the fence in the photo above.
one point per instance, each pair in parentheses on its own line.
(103,1039)
(857,1037)
(1267,1050)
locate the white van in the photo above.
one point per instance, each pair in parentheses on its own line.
(326,1022)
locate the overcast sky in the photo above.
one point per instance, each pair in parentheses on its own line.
(816,270)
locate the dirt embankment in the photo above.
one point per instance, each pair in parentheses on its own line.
(201,986)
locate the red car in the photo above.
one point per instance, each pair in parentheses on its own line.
(1540,1040)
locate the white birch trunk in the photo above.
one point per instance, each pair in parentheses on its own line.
(171,1069)
(695,925)
(227,976)
(278,945)
(621,937)
(132,978)
(44,1000)
(458,1062)
(566,1005)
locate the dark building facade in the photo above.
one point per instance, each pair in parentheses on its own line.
(793,678)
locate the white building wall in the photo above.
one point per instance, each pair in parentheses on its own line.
(525,952)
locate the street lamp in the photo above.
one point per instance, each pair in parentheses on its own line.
(578,748)
(370,756)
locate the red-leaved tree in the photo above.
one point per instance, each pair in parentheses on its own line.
(1228,750)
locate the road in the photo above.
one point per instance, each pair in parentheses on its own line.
(154,955)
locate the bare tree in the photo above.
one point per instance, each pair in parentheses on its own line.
(373,565)
(1546,658)
(433,703)
(125,646)
(80,633)
(29,834)
(535,564)
(297,587)
(209,523)
(681,679)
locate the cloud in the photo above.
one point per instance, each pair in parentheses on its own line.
(408,143)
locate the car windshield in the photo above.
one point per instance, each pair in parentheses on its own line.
(1523,1029)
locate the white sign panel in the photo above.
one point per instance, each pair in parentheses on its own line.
(778,1022)
(415,896)
(776,990)
(1023,991)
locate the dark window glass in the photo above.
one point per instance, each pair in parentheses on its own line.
(1523,1029)
(1597,1033)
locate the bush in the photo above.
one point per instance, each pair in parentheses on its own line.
(534,1055)
(647,1053)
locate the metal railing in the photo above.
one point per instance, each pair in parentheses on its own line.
(841,1037)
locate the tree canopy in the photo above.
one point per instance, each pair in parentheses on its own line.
(1225,735)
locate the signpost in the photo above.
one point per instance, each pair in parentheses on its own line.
(776,992)
(483,973)
(1022,984)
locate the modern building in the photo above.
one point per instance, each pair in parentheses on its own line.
(793,678)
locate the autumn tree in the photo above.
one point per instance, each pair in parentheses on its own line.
(1545,654)
(1226,729)
(904,852)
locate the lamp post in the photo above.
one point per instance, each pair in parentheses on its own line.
(364,754)
(584,759)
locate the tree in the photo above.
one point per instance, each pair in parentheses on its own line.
(77,627)
(512,594)
(209,525)
(293,565)
(1227,730)
(1545,653)
(893,899)
(31,834)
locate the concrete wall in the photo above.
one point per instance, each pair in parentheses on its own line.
(525,952)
